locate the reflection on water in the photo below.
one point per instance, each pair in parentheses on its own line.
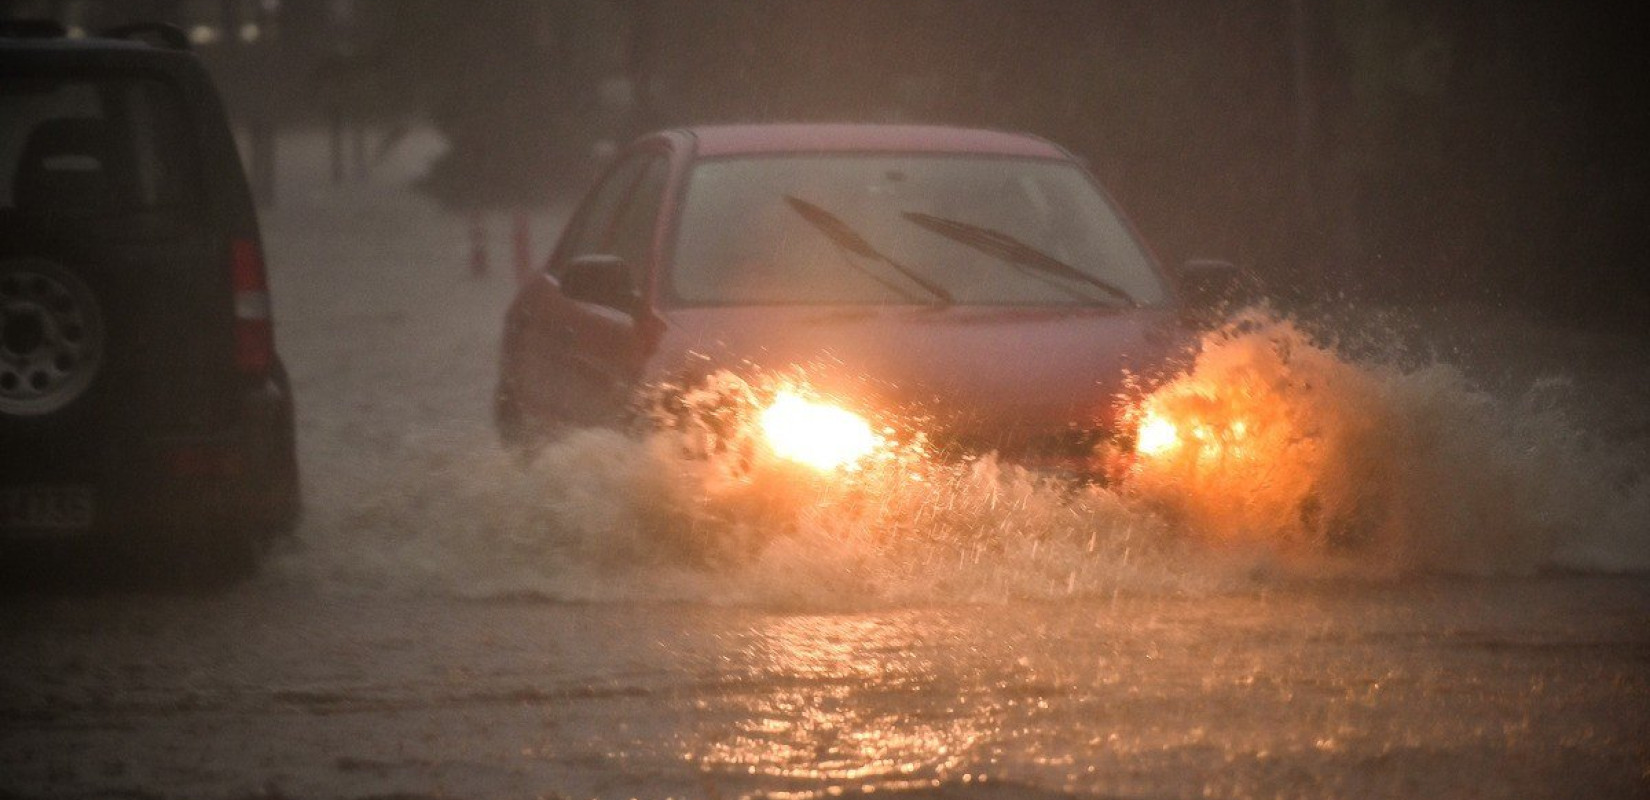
(842,701)
(1313,694)
(1495,689)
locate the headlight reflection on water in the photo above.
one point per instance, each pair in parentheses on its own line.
(835,703)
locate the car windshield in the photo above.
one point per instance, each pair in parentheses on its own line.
(903,230)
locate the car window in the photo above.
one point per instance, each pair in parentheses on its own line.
(88,146)
(632,235)
(594,225)
(913,229)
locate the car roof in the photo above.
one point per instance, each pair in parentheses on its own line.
(61,43)
(39,55)
(727,140)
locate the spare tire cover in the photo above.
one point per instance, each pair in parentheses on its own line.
(51,337)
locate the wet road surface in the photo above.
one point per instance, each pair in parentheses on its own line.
(1439,688)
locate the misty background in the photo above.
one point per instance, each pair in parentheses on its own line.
(1393,150)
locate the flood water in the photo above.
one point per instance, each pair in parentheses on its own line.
(1434,584)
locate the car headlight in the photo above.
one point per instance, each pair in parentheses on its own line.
(817,434)
(1156,436)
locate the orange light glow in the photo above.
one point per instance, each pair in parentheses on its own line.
(1156,436)
(820,435)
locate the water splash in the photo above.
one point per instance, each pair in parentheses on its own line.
(1387,468)
(1288,458)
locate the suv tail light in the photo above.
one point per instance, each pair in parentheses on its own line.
(254,327)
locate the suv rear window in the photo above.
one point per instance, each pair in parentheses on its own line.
(91,147)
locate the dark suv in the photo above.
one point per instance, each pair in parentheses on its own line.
(143,408)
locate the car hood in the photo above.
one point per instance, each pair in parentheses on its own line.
(992,371)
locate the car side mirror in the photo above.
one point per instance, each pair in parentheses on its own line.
(600,279)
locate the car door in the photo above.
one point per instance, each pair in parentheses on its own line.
(588,354)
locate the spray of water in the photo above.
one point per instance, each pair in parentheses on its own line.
(1272,455)
(1279,441)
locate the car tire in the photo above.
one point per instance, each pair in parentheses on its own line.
(515,431)
(283,470)
(520,432)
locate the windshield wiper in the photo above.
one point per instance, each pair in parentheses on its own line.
(1006,247)
(844,236)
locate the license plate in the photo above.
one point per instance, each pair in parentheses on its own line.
(46,509)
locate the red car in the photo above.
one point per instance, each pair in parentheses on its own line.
(982,280)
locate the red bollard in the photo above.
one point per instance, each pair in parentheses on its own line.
(478,244)
(522,236)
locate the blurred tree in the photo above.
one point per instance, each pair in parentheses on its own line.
(1485,148)
(1452,148)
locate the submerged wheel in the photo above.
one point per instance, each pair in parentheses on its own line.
(51,337)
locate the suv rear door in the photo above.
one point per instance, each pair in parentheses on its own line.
(112,173)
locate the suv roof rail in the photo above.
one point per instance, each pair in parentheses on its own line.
(32,29)
(159,34)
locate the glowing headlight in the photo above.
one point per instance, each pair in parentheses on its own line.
(819,435)
(1155,436)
